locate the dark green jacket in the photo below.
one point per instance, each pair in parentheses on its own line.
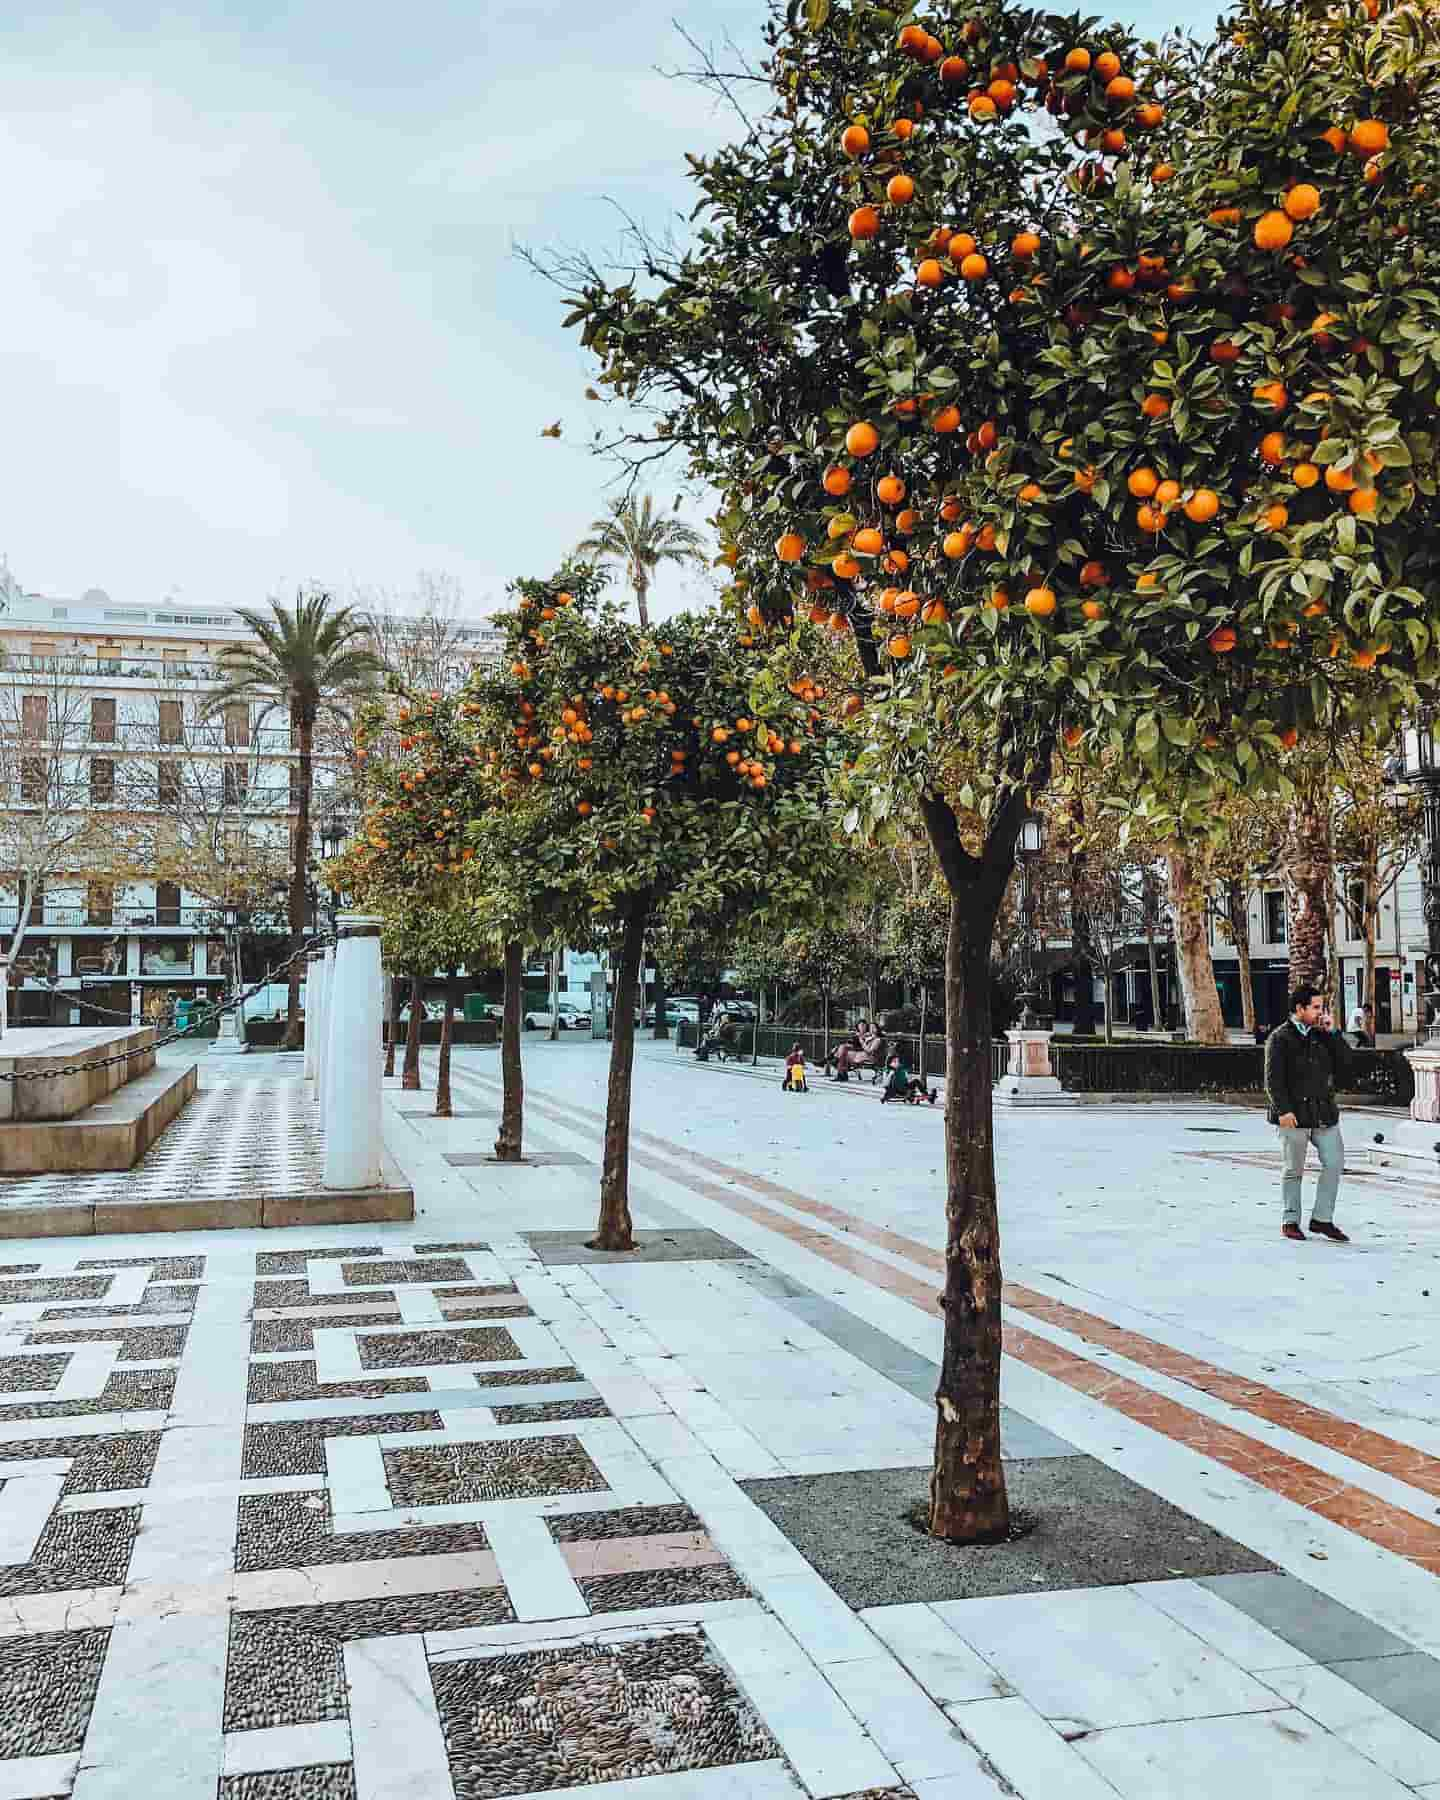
(1301,1071)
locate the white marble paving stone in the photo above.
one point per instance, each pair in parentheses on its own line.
(26,1503)
(662,1434)
(286,1747)
(210,1389)
(643,1621)
(817,1618)
(355,1475)
(1099,1657)
(534,1571)
(1238,1637)
(1030,1754)
(184,1543)
(939,1658)
(170,1673)
(36,1777)
(819,1737)
(1279,1755)
(1392,1743)
(907,1725)
(399,1748)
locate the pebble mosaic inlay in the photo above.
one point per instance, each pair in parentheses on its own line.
(293,1531)
(282,1672)
(487,1312)
(447,1249)
(47,1688)
(551,1409)
(130,1390)
(271,1382)
(507,1469)
(123,1459)
(17,1373)
(570,1717)
(142,1343)
(411,1269)
(55,1287)
(76,1550)
(267,1335)
(623,1522)
(662,1587)
(297,1446)
(292,1262)
(525,1377)
(322,1781)
(422,1348)
(162,1268)
(294,1295)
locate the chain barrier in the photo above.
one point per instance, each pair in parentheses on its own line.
(183,1031)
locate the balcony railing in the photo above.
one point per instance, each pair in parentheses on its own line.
(144,668)
(115,918)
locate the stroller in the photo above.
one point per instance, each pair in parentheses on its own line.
(795,1082)
(719,1041)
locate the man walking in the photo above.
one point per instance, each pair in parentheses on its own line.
(1302,1060)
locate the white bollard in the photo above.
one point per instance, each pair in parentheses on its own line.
(354,1058)
(314,1016)
(322,1047)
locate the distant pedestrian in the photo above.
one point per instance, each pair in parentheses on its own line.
(1360,1034)
(1302,1063)
(795,1081)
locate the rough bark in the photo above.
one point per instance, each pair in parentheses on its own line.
(1237,917)
(509,1144)
(1372,932)
(442,1073)
(1305,872)
(410,1077)
(1081,937)
(554,1033)
(392,1013)
(1203,1018)
(968,1501)
(642,593)
(1153,964)
(300,856)
(616,1230)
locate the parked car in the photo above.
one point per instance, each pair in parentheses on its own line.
(739,1009)
(572,1018)
(675,1011)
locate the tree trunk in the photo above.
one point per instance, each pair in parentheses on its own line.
(1305,870)
(616,1231)
(299,862)
(1203,1017)
(924,1009)
(442,1074)
(662,1028)
(968,1502)
(1237,916)
(1108,977)
(1154,962)
(555,996)
(1081,942)
(410,1078)
(1334,980)
(1372,931)
(509,1145)
(642,589)
(392,1011)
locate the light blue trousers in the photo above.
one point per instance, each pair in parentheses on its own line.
(1331,1148)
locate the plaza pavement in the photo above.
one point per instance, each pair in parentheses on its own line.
(458,1508)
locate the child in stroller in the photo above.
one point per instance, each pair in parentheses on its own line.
(795,1082)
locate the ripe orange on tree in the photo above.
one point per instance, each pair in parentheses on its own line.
(864,222)
(855,140)
(862,439)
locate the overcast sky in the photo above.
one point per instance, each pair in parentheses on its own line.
(263,323)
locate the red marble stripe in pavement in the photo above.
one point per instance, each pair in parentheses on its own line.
(1390,1527)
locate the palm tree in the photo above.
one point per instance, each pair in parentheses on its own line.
(640,538)
(312,660)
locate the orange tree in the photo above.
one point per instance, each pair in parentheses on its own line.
(654,792)
(1091,387)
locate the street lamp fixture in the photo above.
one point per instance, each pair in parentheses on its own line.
(1028,846)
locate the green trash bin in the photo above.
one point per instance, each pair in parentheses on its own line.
(184,1009)
(476,1007)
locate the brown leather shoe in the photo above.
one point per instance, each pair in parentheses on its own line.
(1294,1233)
(1326,1230)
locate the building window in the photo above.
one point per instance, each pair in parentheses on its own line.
(102,781)
(109,653)
(34,779)
(237,724)
(169,785)
(235,783)
(102,721)
(99,903)
(35,717)
(167,903)
(172,723)
(1275,918)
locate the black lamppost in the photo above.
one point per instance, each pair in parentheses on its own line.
(1028,847)
(1422,770)
(332,837)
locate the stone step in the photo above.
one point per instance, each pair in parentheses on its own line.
(112,1134)
(29,1049)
